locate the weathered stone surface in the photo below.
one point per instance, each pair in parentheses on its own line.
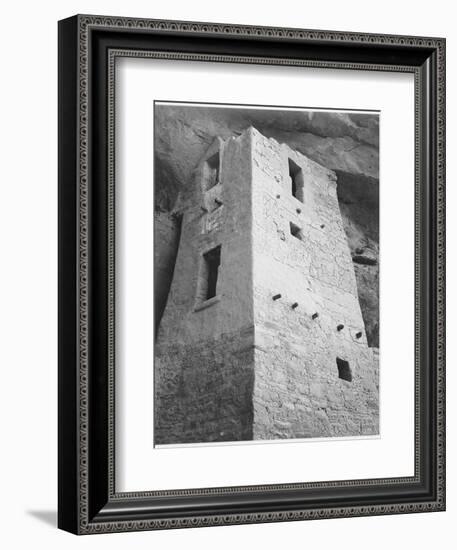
(167,231)
(204,391)
(204,352)
(254,361)
(297,390)
(346,143)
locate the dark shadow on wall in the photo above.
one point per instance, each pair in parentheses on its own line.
(358,197)
(167,234)
(45,516)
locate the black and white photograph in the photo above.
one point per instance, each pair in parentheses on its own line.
(224,275)
(266,273)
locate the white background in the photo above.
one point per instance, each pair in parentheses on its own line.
(29,274)
(141,467)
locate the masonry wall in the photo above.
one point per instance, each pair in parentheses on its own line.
(243,365)
(297,390)
(204,356)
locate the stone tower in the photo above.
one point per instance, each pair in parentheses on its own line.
(262,335)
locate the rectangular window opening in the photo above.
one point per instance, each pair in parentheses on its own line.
(212,171)
(209,274)
(297,181)
(295,231)
(344,370)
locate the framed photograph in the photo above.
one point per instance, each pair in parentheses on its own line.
(251,274)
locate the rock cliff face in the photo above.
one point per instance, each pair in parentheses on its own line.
(347,143)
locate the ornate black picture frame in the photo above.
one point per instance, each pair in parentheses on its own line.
(88,47)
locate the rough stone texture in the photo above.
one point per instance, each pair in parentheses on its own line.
(242,365)
(297,391)
(204,390)
(210,342)
(344,142)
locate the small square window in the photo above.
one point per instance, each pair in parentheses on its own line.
(295,231)
(344,370)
